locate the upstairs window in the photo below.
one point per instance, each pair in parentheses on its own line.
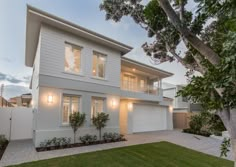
(99,64)
(72,59)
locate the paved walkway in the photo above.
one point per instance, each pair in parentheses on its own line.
(23,151)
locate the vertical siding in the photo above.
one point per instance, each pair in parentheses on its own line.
(52,57)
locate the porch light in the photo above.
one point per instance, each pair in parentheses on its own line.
(130,106)
(50,99)
(171,108)
(133,69)
(113,103)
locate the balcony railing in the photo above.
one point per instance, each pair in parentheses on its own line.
(136,87)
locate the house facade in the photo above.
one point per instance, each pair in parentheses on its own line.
(182,107)
(77,70)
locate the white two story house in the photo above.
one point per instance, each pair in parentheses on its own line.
(77,70)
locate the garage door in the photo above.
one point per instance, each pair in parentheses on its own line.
(149,118)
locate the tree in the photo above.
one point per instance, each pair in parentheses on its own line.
(209,35)
(100,120)
(76,120)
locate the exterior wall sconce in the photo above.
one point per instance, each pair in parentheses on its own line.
(113,103)
(50,99)
(130,106)
(171,108)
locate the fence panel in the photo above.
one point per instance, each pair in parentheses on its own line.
(19,126)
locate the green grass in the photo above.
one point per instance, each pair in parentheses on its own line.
(162,154)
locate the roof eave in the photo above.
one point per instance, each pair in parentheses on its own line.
(64,24)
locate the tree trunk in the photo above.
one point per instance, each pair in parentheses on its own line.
(185,32)
(100,134)
(228,117)
(233,143)
(74,137)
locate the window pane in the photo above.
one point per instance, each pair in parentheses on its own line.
(101,66)
(95,65)
(72,59)
(75,104)
(97,106)
(66,111)
(70,105)
(99,63)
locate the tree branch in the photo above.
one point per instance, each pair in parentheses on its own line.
(192,39)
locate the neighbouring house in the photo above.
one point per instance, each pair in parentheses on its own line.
(75,69)
(21,101)
(182,108)
(4,102)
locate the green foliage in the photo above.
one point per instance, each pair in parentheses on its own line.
(100,120)
(205,124)
(196,122)
(3,141)
(216,126)
(57,142)
(76,120)
(201,133)
(88,139)
(112,137)
(225,145)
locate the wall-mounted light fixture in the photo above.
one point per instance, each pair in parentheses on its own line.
(50,99)
(113,103)
(130,106)
(133,69)
(171,108)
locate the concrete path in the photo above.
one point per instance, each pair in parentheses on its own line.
(23,151)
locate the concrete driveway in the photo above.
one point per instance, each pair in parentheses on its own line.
(23,151)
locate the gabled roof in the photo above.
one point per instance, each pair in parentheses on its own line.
(37,17)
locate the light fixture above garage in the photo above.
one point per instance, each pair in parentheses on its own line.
(130,106)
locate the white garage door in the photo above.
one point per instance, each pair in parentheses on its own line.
(149,118)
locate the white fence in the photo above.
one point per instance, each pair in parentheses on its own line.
(16,123)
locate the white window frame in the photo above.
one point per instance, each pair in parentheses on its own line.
(70,107)
(98,54)
(77,47)
(103,104)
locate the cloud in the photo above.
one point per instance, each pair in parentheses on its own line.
(12,79)
(14,90)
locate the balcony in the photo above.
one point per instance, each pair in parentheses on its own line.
(139,87)
(140,81)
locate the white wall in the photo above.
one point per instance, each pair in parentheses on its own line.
(53,54)
(21,124)
(49,116)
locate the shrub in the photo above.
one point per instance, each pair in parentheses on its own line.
(88,139)
(216,125)
(3,141)
(112,137)
(100,120)
(57,142)
(192,131)
(76,120)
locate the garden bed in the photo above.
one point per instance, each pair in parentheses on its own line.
(3,148)
(201,133)
(41,149)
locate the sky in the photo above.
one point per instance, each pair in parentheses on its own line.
(16,76)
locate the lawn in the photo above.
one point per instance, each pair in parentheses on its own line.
(162,154)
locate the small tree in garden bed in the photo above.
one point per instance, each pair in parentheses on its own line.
(100,120)
(76,120)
